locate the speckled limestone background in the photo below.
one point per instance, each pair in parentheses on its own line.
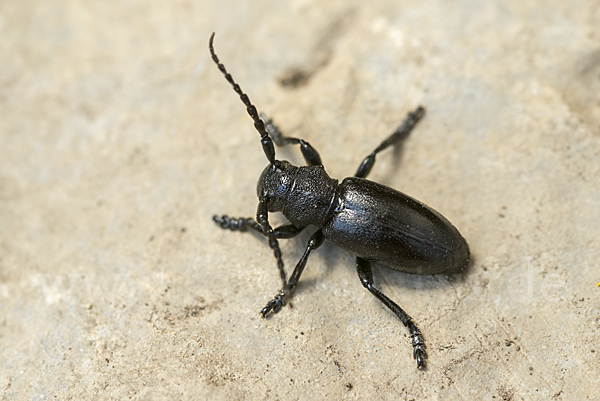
(120,140)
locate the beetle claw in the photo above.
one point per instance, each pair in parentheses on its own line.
(419,354)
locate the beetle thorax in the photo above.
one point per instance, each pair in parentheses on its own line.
(304,194)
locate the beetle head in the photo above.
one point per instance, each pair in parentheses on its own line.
(275,182)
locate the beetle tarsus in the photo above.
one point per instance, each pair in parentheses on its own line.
(235,224)
(418,345)
(274,305)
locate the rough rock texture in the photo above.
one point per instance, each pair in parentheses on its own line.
(120,139)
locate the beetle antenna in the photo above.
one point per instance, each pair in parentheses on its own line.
(265,139)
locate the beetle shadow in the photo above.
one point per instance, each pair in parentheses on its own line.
(328,255)
(332,256)
(290,258)
(385,279)
(395,164)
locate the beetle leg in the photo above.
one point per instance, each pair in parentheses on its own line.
(365,273)
(278,301)
(310,154)
(237,224)
(242,224)
(401,132)
(262,217)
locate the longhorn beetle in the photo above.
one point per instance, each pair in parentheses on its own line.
(375,223)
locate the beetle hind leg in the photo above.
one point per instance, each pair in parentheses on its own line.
(365,273)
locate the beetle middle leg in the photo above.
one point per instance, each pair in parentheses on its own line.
(365,273)
(310,154)
(401,132)
(278,301)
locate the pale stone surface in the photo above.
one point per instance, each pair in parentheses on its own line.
(120,140)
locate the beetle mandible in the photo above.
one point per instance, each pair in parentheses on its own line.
(374,222)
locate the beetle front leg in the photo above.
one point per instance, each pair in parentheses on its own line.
(365,273)
(262,217)
(310,154)
(278,301)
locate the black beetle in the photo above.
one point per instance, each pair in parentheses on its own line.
(374,222)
